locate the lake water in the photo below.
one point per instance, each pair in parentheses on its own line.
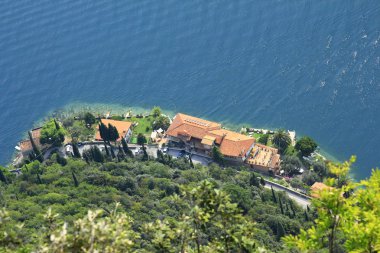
(313,66)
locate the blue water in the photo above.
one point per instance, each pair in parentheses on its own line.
(313,66)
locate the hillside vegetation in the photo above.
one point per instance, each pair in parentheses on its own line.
(169,205)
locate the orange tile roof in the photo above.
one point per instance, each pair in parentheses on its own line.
(208,140)
(190,126)
(264,156)
(232,143)
(121,126)
(26,145)
(317,187)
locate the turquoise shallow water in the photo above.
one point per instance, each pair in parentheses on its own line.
(313,66)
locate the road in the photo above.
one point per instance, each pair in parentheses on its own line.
(301,199)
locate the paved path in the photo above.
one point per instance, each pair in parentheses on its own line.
(301,199)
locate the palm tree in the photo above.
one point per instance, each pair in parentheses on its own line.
(281,140)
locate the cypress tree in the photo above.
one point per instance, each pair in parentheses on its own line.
(191,161)
(292,208)
(39,179)
(112,153)
(160,156)
(61,160)
(280,231)
(273,195)
(57,126)
(76,183)
(76,151)
(145,155)
(3,178)
(107,151)
(37,152)
(121,154)
(308,208)
(125,146)
(262,181)
(253,180)
(116,133)
(104,131)
(113,134)
(97,155)
(85,156)
(306,216)
(32,156)
(281,207)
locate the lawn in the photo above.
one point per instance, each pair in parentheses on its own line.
(144,127)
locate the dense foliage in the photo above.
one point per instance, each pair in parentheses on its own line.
(348,215)
(210,207)
(306,146)
(52,133)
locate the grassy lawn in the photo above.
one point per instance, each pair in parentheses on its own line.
(144,127)
(80,132)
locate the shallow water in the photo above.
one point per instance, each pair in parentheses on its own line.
(313,66)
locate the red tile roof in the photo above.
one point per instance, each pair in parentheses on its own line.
(26,145)
(231,143)
(317,187)
(121,126)
(186,125)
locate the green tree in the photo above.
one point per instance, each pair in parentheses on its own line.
(106,149)
(156,112)
(126,149)
(76,151)
(89,119)
(3,177)
(262,181)
(281,140)
(112,152)
(306,146)
(61,160)
(273,195)
(353,217)
(103,131)
(113,133)
(263,139)
(253,180)
(51,135)
(57,126)
(141,139)
(37,152)
(76,183)
(291,165)
(120,153)
(96,154)
(217,156)
(161,122)
(280,231)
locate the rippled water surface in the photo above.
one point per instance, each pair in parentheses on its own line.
(313,66)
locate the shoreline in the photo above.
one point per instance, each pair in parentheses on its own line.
(119,109)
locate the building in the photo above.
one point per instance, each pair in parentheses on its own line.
(265,159)
(25,146)
(123,127)
(317,187)
(199,135)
